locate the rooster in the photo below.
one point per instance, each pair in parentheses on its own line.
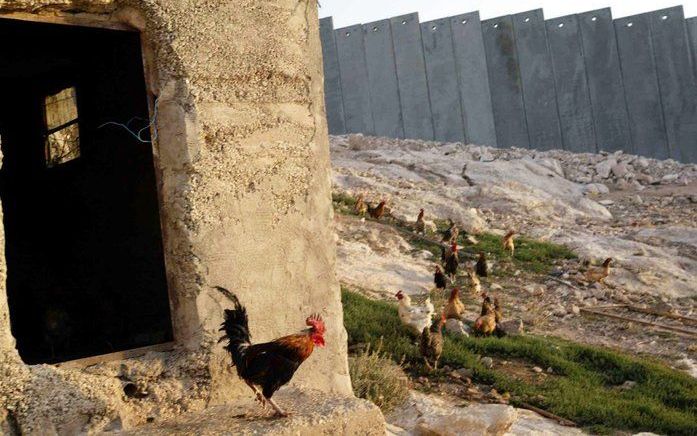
(439,278)
(378,211)
(360,207)
(454,307)
(482,266)
(272,364)
(451,233)
(486,323)
(420,225)
(508,243)
(445,252)
(599,274)
(414,317)
(431,344)
(452,262)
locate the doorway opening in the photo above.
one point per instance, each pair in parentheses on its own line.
(83,241)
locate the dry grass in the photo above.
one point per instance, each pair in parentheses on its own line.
(377,378)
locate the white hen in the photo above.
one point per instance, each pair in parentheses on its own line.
(415,317)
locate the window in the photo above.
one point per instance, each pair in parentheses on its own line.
(62,128)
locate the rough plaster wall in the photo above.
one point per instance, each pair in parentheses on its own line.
(244,171)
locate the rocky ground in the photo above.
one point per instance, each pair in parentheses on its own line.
(639,211)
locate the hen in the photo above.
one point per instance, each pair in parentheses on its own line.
(486,323)
(451,234)
(498,310)
(452,262)
(482,266)
(475,283)
(439,278)
(420,225)
(360,208)
(599,274)
(431,344)
(454,308)
(508,243)
(414,317)
(272,364)
(378,211)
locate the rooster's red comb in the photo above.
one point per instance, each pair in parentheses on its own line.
(315,321)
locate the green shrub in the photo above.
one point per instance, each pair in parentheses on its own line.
(377,378)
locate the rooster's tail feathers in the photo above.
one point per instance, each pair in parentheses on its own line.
(235,326)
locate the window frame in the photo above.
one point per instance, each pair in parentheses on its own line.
(48,158)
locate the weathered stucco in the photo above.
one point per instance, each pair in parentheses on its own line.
(244,174)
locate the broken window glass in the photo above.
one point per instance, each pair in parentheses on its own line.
(62,128)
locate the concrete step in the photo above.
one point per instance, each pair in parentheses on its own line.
(312,413)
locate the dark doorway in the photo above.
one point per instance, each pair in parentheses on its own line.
(83,244)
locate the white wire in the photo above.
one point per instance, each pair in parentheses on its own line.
(138,135)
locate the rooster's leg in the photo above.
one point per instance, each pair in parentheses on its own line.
(260,397)
(279,411)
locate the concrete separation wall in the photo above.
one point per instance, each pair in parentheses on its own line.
(537,78)
(411,76)
(443,87)
(676,82)
(333,97)
(358,113)
(571,82)
(583,82)
(641,86)
(473,78)
(605,86)
(504,78)
(382,74)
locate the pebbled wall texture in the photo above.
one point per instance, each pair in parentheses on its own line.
(244,180)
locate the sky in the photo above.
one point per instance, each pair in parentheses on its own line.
(347,12)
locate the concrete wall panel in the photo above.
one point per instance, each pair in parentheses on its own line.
(537,78)
(411,77)
(505,83)
(676,81)
(442,81)
(382,74)
(691,24)
(641,86)
(573,99)
(475,95)
(355,89)
(333,100)
(605,85)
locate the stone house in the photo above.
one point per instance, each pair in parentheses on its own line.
(154,149)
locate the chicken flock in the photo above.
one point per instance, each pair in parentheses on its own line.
(422,319)
(268,366)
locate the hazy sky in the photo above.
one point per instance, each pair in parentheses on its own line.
(346,12)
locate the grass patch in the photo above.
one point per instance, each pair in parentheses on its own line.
(530,255)
(377,378)
(585,390)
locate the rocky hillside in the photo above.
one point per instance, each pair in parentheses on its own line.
(640,212)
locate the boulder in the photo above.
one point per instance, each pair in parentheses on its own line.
(477,419)
(457,327)
(620,170)
(669,178)
(595,189)
(603,168)
(512,327)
